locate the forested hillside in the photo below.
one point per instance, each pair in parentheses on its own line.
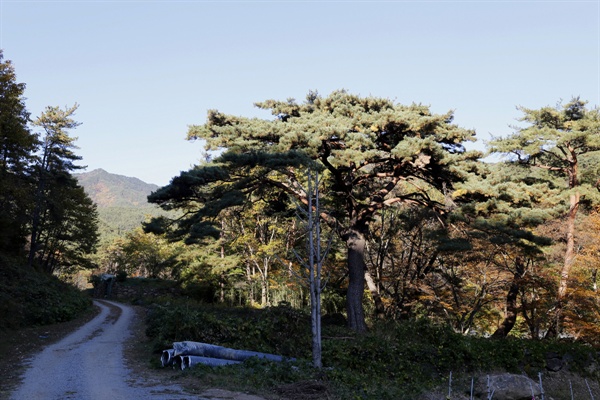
(121,200)
(122,209)
(112,190)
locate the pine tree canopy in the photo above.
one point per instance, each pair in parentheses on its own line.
(560,143)
(17,147)
(375,153)
(556,144)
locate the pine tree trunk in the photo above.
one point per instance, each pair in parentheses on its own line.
(37,210)
(356,242)
(510,317)
(33,242)
(568,263)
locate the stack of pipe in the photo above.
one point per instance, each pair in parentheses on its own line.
(186,354)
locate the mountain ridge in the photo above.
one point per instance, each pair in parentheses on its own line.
(112,190)
(122,201)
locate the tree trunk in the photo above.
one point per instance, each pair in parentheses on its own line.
(264,283)
(315,316)
(35,224)
(356,242)
(222,275)
(510,317)
(568,263)
(37,210)
(379,306)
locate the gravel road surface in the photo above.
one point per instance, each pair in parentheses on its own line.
(88,365)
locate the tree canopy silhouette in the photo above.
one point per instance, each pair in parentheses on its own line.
(374,153)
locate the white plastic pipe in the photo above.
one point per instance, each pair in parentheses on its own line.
(190,361)
(167,357)
(210,350)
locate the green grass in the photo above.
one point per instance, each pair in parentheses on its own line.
(394,360)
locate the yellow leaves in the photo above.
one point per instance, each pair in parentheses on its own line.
(459,192)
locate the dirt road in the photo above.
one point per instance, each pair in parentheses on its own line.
(88,365)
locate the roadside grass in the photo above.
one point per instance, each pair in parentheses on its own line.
(31,298)
(394,360)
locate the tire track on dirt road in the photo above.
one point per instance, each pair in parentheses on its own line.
(89,365)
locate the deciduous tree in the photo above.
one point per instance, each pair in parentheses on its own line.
(146,254)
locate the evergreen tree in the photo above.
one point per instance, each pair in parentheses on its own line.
(17,147)
(555,141)
(70,228)
(374,153)
(58,198)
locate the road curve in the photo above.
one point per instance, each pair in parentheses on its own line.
(89,365)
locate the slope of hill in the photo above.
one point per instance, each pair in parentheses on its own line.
(121,200)
(111,190)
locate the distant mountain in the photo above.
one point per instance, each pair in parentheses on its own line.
(111,190)
(121,200)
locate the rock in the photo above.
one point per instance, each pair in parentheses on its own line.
(591,365)
(507,387)
(219,394)
(554,362)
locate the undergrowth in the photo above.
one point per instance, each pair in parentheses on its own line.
(394,360)
(28,297)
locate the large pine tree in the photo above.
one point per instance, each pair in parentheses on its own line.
(555,141)
(375,154)
(64,219)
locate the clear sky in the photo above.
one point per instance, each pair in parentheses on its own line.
(142,71)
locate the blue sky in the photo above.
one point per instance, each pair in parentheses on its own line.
(142,71)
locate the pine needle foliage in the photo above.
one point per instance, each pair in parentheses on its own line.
(373,152)
(555,142)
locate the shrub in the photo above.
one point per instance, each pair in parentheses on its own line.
(30,298)
(394,360)
(121,276)
(95,280)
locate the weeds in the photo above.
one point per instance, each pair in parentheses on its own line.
(28,297)
(394,360)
